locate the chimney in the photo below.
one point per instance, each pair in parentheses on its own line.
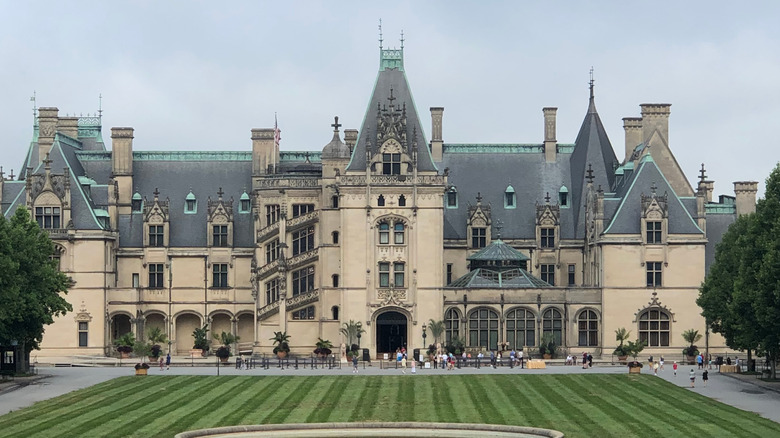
(550,143)
(69,126)
(655,117)
(350,138)
(437,144)
(121,151)
(633,128)
(707,187)
(263,154)
(47,127)
(745,192)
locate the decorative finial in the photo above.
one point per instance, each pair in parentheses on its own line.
(589,174)
(498,225)
(47,162)
(391,98)
(479,198)
(653,188)
(157,193)
(336,124)
(702,175)
(11,176)
(591,82)
(35,107)
(547,198)
(100,105)
(2,174)
(220,193)
(380,34)
(402,39)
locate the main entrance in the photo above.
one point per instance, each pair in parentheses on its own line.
(390,331)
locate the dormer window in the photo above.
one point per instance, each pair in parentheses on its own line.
(452,198)
(48,217)
(509,198)
(391,164)
(244,203)
(190,204)
(563,197)
(136,204)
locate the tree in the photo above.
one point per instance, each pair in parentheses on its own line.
(740,296)
(437,329)
(691,336)
(351,331)
(31,286)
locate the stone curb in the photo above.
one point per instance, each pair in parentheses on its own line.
(20,382)
(754,381)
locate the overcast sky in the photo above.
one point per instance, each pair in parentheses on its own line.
(200,75)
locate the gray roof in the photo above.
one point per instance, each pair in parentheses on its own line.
(13,196)
(498,251)
(336,148)
(717,225)
(508,279)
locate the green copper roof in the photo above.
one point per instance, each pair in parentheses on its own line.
(190,196)
(509,279)
(244,196)
(498,251)
(391,58)
(137,196)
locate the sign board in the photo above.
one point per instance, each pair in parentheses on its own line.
(387,356)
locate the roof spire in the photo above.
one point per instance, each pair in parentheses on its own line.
(380,34)
(402,39)
(35,109)
(336,124)
(589,174)
(591,83)
(498,225)
(100,105)
(702,174)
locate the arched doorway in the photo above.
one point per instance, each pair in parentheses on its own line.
(120,324)
(185,324)
(391,330)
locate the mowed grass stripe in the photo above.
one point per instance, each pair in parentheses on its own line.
(252,398)
(549,414)
(283,390)
(581,414)
(311,403)
(387,402)
(603,412)
(424,409)
(328,402)
(405,411)
(451,393)
(495,387)
(483,403)
(349,399)
(280,412)
(368,397)
(514,390)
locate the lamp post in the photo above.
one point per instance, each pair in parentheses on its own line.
(358,336)
(425,335)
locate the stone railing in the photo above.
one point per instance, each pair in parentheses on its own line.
(267,269)
(266,311)
(302,259)
(267,231)
(272,183)
(57,233)
(305,219)
(303,299)
(359,180)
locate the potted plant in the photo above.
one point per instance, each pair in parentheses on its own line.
(323,348)
(157,338)
(437,329)
(141,369)
(622,351)
(691,351)
(634,348)
(547,346)
(455,346)
(224,338)
(201,340)
(142,349)
(352,331)
(124,344)
(281,342)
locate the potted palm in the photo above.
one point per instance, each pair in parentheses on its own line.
(622,350)
(352,331)
(547,346)
(437,329)
(224,338)
(323,348)
(157,338)
(200,335)
(281,342)
(691,337)
(455,346)
(634,348)
(124,344)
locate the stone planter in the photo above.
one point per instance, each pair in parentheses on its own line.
(547,356)
(141,372)
(622,359)
(281,354)
(635,370)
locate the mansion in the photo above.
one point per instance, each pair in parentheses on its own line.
(383,225)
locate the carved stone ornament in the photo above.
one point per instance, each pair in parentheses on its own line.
(83,315)
(391,297)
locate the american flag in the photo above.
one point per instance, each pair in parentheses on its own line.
(277,133)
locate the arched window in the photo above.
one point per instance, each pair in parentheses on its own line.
(452,198)
(380,201)
(483,329)
(334,201)
(335,237)
(654,328)
(520,328)
(552,322)
(451,325)
(384,233)
(509,197)
(563,196)
(398,233)
(136,204)
(588,327)
(402,201)
(335,312)
(335,278)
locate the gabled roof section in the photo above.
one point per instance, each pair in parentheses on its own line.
(498,251)
(482,278)
(592,148)
(391,77)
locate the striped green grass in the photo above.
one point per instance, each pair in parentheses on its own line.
(578,405)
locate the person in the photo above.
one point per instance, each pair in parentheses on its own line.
(692,376)
(655,369)
(728,360)
(674,367)
(354,363)
(492,359)
(650,361)
(661,362)
(398,355)
(568,359)
(709,361)
(168,361)
(414,366)
(704,377)
(444,357)
(590,360)
(162,364)
(736,362)
(584,359)
(512,357)
(403,364)
(450,362)
(700,361)
(520,358)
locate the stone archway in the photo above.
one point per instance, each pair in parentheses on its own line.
(392,329)
(185,324)
(120,324)
(246,331)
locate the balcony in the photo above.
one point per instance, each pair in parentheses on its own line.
(302,221)
(267,231)
(302,300)
(269,310)
(280,183)
(267,269)
(302,259)
(57,233)
(359,180)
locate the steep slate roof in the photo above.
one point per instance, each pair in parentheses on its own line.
(13,196)
(593,148)
(391,76)
(717,225)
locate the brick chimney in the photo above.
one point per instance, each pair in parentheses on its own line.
(47,127)
(633,128)
(263,153)
(437,143)
(350,138)
(69,126)
(745,192)
(550,143)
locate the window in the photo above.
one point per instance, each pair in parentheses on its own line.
(303,280)
(156,276)
(301,209)
(56,261)
(244,203)
(452,198)
(303,240)
(483,329)
(391,164)
(478,237)
(384,233)
(398,274)
(190,204)
(449,273)
(220,236)
(520,328)
(305,313)
(571,274)
(588,327)
(335,278)
(654,328)
(83,334)
(220,275)
(553,323)
(272,214)
(563,197)
(136,280)
(653,232)
(380,201)
(548,237)
(334,201)
(335,237)
(653,274)
(509,198)
(335,312)
(136,204)
(48,217)
(156,235)
(402,201)
(398,233)
(451,325)
(384,274)
(548,274)
(272,291)
(271,251)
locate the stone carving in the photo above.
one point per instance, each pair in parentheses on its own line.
(303,299)
(270,183)
(388,297)
(266,311)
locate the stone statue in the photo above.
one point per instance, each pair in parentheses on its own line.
(343,352)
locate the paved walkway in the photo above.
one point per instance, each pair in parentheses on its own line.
(743,392)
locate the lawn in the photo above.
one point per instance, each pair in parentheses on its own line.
(579,405)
